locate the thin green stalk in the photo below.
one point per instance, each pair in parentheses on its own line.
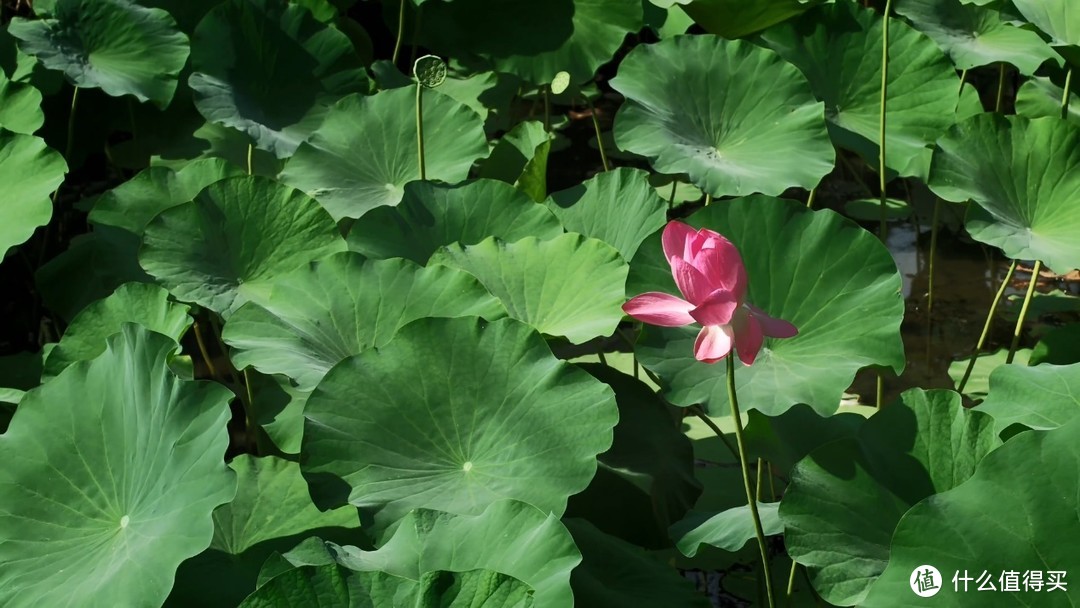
(884,226)
(700,413)
(599,139)
(1023,311)
(933,253)
(741,443)
(1065,94)
(250,153)
(1000,89)
(400,33)
(986,327)
(201,341)
(420,129)
(810,199)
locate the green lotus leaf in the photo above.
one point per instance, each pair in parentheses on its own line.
(332,586)
(1014,514)
(132,204)
(20,106)
(569,285)
(365,151)
(509,537)
(1040,97)
(271,512)
(1058,18)
(729,530)
(31,171)
(147,305)
(616,573)
(234,239)
(736,18)
(1043,397)
(343,305)
(118,463)
(271,70)
(816,269)
(645,481)
(531,40)
(618,207)
(719,110)
(433,215)
(838,48)
(846,498)
(453,414)
(117,46)
(1024,175)
(974,36)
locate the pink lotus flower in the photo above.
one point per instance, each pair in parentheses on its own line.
(711,276)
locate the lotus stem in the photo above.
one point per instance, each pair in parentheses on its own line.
(1001,88)
(933,253)
(750,499)
(1023,311)
(599,139)
(986,328)
(884,225)
(1065,94)
(400,32)
(420,129)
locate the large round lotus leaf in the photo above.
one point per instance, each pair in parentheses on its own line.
(342,305)
(117,46)
(234,239)
(1042,397)
(271,70)
(433,215)
(974,36)
(614,572)
(142,303)
(1058,18)
(365,151)
(1017,513)
(719,111)
(118,464)
(509,537)
(532,40)
(618,207)
(846,498)
(838,48)
(30,172)
(815,269)
(738,18)
(132,204)
(645,481)
(331,586)
(20,106)
(569,286)
(271,512)
(1024,176)
(452,414)
(1040,97)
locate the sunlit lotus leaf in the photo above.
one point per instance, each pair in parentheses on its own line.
(431,216)
(272,70)
(453,414)
(366,151)
(234,239)
(719,110)
(118,463)
(816,269)
(838,48)
(117,46)
(1024,176)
